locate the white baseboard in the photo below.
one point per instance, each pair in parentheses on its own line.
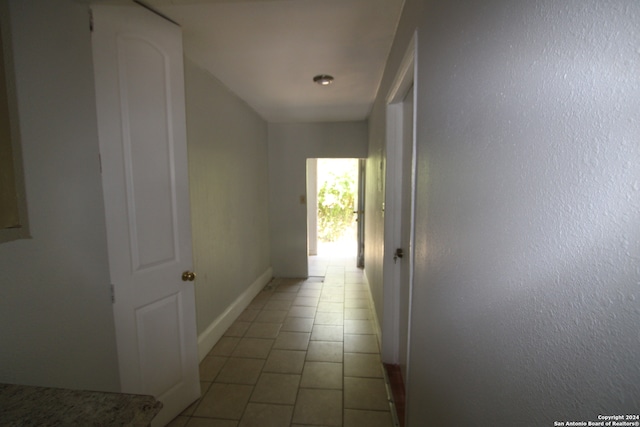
(376,323)
(219,326)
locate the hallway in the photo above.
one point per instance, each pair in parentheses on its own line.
(303,353)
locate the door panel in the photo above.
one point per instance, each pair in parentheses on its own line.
(138,67)
(148,152)
(406,230)
(160,344)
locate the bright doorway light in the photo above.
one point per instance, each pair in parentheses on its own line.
(337,196)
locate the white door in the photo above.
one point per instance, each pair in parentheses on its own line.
(398,210)
(406,231)
(138,67)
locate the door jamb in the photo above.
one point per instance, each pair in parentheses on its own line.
(392,216)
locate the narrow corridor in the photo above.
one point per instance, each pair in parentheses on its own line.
(303,353)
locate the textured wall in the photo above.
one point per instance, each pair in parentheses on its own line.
(526,297)
(228,174)
(290,145)
(56,318)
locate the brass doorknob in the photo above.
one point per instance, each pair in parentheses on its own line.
(188,276)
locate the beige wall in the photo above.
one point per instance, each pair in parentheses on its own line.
(228,171)
(526,293)
(56,320)
(525,301)
(290,145)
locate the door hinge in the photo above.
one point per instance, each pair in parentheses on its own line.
(113,294)
(91,20)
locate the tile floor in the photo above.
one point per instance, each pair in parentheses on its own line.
(303,353)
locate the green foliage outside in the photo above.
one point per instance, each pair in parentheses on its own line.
(336,203)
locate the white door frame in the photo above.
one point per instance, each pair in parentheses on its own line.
(393,205)
(362,176)
(312,207)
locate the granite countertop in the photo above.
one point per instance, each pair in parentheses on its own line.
(42,406)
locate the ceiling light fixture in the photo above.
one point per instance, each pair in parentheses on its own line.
(323,79)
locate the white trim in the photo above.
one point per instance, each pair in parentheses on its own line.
(219,326)
(402,82)
(372,307)
(312,207)
(404,76)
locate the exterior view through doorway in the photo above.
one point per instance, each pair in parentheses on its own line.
(334,208)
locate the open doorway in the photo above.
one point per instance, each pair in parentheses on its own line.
(334,208)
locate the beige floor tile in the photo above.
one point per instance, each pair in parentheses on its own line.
(326,333)
(323,351)
(358,327)
(365,393)
(204,387)
(354,277)
(297,324)
(257,304)
(334,282)
(356,343)
(308,292)
(285,362)
(330,307)
(211,422)
(335,319)
(335,286)
(322,375)
(253,348)
(362,365)
(265,415)
(276,388)
(277,305)
(248,315)
(263,330)
(292,341)
(334,297)
(318,407)
(356,303)
(332,290)
(352,293)
(283,296)
(284,287)
(287,352)
(271,316)
(306,301)
(226,401)
(240,371)
(224,346)
(210,367)
(357,314)
(356,418)
(300,311)
(237,329)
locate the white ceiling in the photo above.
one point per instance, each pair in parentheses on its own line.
(268,51)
